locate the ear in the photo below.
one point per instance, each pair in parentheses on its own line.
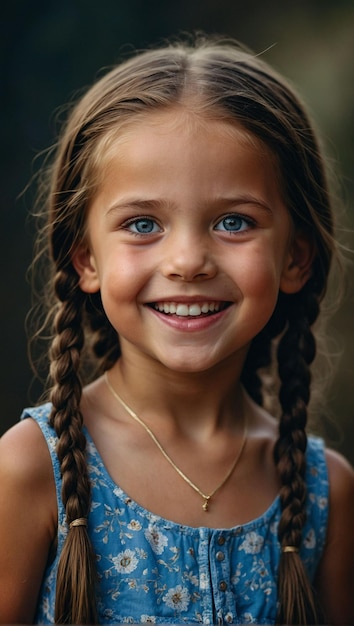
(85,265)
(298,264)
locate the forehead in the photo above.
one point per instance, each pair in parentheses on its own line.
(173,122)
(184,159)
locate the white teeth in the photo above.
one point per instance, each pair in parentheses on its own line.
(194,309)
(186,310)
(182,310)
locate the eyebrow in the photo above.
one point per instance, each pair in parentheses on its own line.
(148,205)
(138,203)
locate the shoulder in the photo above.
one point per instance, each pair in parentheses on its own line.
(341,500)
(28,519)
(341,486)
(335,579)
(24,452)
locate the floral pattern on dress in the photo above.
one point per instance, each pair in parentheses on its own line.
(252,544)
(152,570)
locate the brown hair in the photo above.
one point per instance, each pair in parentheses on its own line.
(221,80)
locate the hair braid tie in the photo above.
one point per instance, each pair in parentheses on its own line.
(80,521)
(289,549)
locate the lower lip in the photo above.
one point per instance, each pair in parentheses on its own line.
(190,324)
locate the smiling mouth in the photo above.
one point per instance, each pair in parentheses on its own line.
(195,309)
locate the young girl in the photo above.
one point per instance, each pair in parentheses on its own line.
(190,234)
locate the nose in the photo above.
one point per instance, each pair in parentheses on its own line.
(188,258)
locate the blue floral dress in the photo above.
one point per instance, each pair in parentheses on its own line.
(153,570)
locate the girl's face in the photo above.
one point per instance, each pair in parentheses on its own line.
(188,241)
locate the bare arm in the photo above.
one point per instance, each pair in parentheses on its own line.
(335,577)
(28,520)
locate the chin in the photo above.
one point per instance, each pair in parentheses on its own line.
(189,365)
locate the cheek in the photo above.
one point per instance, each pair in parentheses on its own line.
(118,294)
(122,278)
(259,283)
(260,269)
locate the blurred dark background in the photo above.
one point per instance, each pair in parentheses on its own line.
(50,49)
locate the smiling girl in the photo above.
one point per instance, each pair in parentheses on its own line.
(190,236)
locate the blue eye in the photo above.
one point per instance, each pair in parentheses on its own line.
(233,224)
(143,226)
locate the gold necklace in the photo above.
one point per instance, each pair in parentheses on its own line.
(205,497)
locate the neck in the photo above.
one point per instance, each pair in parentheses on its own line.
(206,496)
(214,398)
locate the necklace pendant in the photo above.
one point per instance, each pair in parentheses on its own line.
(206,503)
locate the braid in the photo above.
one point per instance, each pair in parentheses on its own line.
(296,351)
(75,592)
